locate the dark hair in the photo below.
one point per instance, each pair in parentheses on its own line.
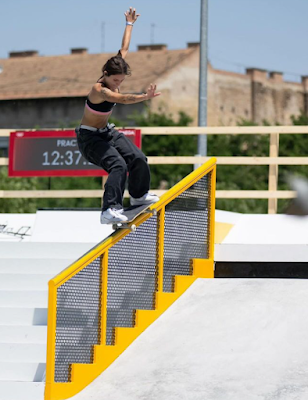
(116,66)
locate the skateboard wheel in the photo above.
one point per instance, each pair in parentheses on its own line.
(155,212)
(133,228)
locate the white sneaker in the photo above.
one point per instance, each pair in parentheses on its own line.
(148,198)
(112,215)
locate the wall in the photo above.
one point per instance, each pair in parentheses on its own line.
(256,95)
(51,113)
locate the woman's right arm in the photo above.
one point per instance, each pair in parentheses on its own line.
(113,97)
(131,18)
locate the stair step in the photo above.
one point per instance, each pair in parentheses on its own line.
(43,250)
(23,334)
(33,265)
(22,352)
(24,298)
(21,390)
(23,316)
(22,372)
(24,281)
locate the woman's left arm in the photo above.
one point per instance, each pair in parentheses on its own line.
(131,18)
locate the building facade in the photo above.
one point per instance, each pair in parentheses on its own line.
(49,92)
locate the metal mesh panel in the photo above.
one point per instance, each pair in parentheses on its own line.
(78,319)
(131,276)
(187,220)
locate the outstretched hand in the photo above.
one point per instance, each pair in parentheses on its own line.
(151,91)
(131,15)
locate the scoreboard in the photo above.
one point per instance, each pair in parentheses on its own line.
(53,153)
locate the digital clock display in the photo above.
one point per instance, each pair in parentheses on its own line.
(53,153)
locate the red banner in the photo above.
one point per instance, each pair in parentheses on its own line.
(53,153)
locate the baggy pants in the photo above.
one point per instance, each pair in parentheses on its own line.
(117,155)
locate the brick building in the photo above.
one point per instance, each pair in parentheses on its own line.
(45,92)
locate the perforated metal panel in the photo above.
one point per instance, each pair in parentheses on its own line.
(131,276)
(187,220)
(78,319)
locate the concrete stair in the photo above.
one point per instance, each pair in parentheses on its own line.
(25,269)
(21,390)
(10,316)
(21,281)
(22,372)
(24,298)
(23,334)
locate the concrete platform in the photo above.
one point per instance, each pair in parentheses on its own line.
(69,226)
(222,340)
(261,238)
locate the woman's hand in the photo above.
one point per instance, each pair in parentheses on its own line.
(131,15)
(151,92)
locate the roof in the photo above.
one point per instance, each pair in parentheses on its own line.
(73,75)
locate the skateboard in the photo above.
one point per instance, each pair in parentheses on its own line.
(131,213)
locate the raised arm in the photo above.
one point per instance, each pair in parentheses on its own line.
(131,18)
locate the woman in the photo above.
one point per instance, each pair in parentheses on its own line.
(102,145)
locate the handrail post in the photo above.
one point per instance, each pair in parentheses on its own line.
(104,293)
(212,213)
(51,340)
(160,250)
(273,172)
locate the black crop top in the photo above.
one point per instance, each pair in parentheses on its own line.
(104,107)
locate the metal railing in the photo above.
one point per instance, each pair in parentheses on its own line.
(273,161)
(103,301)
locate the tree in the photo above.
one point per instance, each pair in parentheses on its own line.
(256,177)
(291,145)
(19,205)
(241,177)
(165,176)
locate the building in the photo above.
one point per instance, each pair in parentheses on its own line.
(48,92)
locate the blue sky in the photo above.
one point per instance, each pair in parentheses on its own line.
(268,34)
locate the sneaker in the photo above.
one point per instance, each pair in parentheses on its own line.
(112,216)
(148,198)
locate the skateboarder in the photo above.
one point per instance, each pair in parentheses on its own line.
(103,145)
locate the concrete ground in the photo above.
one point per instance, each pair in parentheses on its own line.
(222,340)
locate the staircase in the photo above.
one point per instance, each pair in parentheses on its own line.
(25,269)
(108,297)
(99,304)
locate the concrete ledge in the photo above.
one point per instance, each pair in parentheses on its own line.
(261,252)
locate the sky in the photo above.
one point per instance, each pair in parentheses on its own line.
(267,34)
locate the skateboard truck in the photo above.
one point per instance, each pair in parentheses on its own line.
(152,212)
(121,225)
(133,227)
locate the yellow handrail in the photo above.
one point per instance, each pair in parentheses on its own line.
(82,374)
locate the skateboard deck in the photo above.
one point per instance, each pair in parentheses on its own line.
(132,213)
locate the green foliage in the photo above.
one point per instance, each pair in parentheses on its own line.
(19,205)
(292,146)
(70,183)
(24,205)
(241,177)
(255,177)
(165,176)
(301,119)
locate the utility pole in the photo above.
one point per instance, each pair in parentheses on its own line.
(153,26)
(103,37)
(202,115)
